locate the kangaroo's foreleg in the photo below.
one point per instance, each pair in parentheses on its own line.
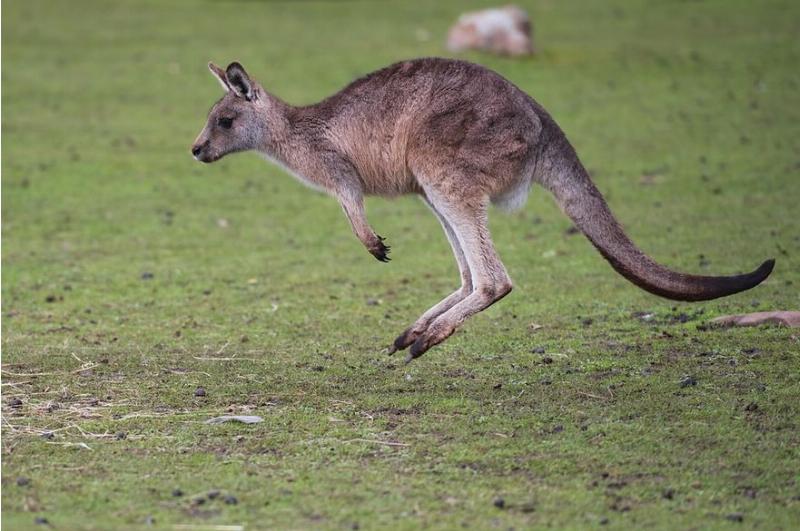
(490,281)
(352,202)
(420,325)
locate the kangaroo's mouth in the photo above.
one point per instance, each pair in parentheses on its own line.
(202,153)
(205,157)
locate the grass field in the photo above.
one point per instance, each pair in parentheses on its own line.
(132,276)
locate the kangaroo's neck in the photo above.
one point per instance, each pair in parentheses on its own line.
(275,127)
(293,138)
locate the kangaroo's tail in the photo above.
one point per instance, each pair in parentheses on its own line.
(578,197)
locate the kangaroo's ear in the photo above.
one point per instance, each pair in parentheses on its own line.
(220,75)
(240,82)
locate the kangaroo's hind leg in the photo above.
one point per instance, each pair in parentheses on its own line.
(420,325)
(490,281)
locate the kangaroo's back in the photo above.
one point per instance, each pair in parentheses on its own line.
(412,115)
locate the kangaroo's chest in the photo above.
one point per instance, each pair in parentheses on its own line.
(378,152)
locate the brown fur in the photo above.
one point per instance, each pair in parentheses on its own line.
(458,135)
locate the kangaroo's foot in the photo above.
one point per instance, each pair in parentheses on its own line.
(435,334)
(406,339)
(413,332)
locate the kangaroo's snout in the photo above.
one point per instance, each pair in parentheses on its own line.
(197,152)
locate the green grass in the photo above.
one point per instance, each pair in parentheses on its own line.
(685,112)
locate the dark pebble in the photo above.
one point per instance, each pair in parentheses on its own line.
(212,494)
(231,500)
(177,493)
(200,391)
(41,520)
(527,507)
(687,380)
(499,503)
(735,517)
(538,350)
(147,275)
(50,298)
(23,482)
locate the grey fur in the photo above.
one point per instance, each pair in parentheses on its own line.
(458,135)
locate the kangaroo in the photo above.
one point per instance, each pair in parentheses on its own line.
(459,136)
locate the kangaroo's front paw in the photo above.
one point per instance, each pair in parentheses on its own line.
(379,250)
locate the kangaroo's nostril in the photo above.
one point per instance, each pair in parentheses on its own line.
(196,150)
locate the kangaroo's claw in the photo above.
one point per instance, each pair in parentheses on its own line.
(380,250)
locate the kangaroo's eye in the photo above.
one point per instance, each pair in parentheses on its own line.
(225,123)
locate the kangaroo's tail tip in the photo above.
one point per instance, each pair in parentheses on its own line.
(756,277)
(764,270)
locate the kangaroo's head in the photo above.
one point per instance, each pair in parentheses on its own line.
(237,122)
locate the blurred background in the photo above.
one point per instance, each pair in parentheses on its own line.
(118,246)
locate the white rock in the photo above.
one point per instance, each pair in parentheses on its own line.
(504,31)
